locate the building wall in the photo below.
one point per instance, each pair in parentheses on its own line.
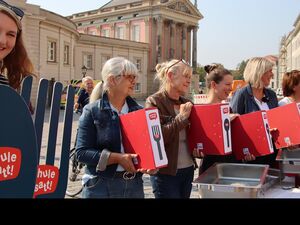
(290,50)
(41,26)
(165,25)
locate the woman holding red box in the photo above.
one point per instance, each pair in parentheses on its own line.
(291,91)
(175,180)
(110,171)
(257,96)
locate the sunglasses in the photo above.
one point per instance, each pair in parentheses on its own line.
(19,12)
(180,60)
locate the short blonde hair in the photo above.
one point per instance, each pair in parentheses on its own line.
(255,69)
(170,66)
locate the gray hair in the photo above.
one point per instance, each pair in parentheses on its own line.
(255,69)
(85,79)
(117,66)
(169,66)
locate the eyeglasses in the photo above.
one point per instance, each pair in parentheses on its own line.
(181,60)
(19,12)
(130,77)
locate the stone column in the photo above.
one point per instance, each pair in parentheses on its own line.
(194,64)
(112,30)
(172,37)
(188,44)
(159,23)
(147,30)
(184,41)
(128,31)
(99,30)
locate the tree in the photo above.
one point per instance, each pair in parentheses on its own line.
(200,70)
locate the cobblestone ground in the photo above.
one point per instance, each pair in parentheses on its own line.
(72,186)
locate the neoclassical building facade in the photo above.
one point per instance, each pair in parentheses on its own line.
(289,52)
(145,32)
(169,27)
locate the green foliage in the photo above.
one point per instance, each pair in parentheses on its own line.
(200,70)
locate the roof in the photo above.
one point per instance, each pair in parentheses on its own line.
(114,3)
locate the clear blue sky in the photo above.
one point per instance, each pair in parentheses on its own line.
(231,31)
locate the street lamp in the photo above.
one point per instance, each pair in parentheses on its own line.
(83,70)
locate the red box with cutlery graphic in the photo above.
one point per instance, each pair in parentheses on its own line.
(142,135)
(210,129)
(251,134)
(286,119)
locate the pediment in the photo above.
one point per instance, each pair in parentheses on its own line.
(183,7)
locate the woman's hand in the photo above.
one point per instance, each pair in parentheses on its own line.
(273,132)
(126,161)
(185,110)
(233,116)
(197,153)
(148,171)
(249,157)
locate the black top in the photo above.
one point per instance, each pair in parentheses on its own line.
(83,98)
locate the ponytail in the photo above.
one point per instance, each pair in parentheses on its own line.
(97,92)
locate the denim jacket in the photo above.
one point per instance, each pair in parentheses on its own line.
(243,100)
(99,129)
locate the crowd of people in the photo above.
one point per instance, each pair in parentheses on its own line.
(110,171)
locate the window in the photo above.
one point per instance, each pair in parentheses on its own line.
(137,87)
(120,32)
(135,15)
(138,63)
(92,32)
(104,58)
(105,20)
(120,17)
(52,51)
(105,33)
(135,33)
(88,61)
(67,54)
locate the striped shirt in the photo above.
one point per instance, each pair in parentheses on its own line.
(3,80)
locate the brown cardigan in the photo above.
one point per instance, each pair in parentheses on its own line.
(171,126)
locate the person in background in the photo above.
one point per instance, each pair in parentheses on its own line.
(175,180)
(84,94)
(256,96)
(15,64)
(290,87)
(110,172)
(291,91)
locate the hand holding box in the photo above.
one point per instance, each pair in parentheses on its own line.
(142,135)
(286,119)
(210,129)
(251,135)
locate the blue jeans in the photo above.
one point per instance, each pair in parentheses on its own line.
(117,187)
(179,186)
